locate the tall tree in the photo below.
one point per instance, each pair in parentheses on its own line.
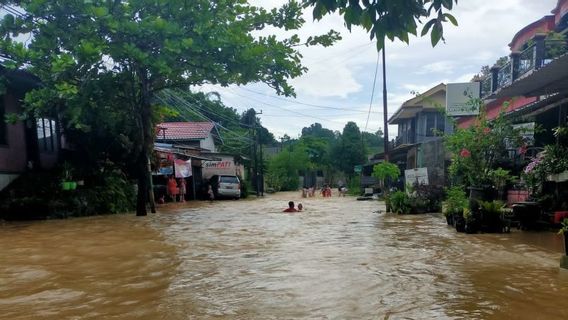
(390,19)
(316,130)
(349,150)
(146,46)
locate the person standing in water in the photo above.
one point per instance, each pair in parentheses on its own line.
(300,207)
(290,207)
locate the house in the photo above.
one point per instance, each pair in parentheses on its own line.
(188,150)
(418,148)
(24,145)
(419,143)
(202,135)
(533,86)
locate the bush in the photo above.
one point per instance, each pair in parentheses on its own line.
(426,198)
(114,195)
(400,203)
(354,186)
(456,201)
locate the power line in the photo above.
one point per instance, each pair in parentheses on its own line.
(168,94)
(372,93)
(281,108)
(304,103)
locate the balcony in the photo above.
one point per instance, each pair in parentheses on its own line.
(540,54)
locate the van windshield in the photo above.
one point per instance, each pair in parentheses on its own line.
(229,179)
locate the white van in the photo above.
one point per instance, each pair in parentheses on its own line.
(226,186)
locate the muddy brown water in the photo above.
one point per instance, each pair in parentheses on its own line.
(339,259)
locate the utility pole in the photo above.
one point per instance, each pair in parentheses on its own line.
(385,113)
(261,159)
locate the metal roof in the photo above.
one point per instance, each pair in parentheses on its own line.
(184,130)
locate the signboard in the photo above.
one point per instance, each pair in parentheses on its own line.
(416,176)
(225,166)
(183,168)
(462,99)
(358,168)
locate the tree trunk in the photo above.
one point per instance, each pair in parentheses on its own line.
(147,139)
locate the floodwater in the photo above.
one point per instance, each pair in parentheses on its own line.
(339,259)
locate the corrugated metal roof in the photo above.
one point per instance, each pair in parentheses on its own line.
(184,130)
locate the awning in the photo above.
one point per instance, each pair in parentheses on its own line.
(549,79)
(539,106)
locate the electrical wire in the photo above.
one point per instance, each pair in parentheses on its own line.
(372,93)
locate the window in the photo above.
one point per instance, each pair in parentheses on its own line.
(229,179)
(440,123)
(46,135)
(430,124)
(3,127)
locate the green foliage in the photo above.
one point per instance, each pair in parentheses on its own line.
(456,201)
(113,195)
(426,198)
(564,227)
(476,150)
(283,169)
(349,150)
(354,186)
(500,177)
(493,208)
(95,57)
(384,171)
(400,203)
(390,19)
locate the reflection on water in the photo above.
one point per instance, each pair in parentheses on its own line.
(247,260)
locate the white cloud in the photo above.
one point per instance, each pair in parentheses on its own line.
(342,75)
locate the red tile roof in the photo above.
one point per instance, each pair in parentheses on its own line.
(184,130)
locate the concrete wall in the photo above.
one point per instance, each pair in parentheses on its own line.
(208,143)
(431,155)
(226,166)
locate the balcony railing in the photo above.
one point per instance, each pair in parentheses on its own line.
(504,76)
(486,87)
(540,53)
(526,61)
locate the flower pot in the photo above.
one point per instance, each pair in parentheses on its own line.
(471,227)
(73,185)
(66,185)
(450,219)
(459,223)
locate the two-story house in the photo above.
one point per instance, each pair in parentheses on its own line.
(419,143)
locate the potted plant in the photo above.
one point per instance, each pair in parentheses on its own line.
(456,202)
(564,231)
(383,172)
(67,182)
(476,150)
(491,216)
(500,178)
(400,203)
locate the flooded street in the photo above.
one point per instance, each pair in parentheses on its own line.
(340,259)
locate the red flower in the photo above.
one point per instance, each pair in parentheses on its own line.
(486,130)
(465,153)
(523,149)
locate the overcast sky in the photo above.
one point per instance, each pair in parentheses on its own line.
(341,77)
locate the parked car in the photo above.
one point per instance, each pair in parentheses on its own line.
(226,186)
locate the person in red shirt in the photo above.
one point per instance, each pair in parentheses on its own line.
(290,207)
